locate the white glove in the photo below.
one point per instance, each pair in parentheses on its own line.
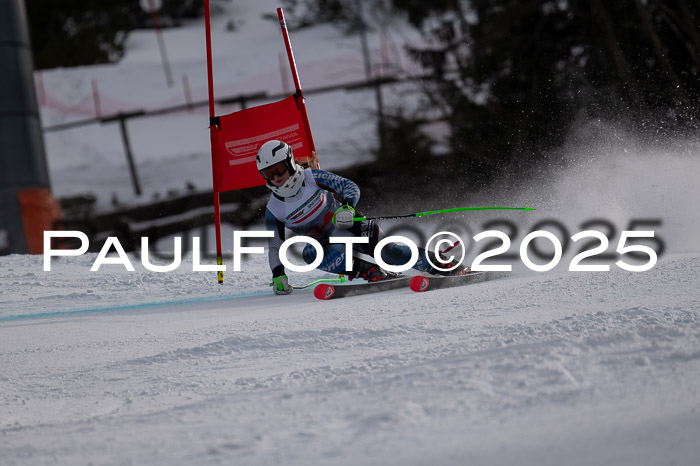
(343,217)
(280,285)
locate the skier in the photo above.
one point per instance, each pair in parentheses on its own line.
(321,204)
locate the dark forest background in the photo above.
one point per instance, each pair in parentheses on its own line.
(89,32)
(510,77)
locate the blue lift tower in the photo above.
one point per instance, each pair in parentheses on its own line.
(27,207)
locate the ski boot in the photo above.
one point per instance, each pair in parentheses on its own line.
(370,272)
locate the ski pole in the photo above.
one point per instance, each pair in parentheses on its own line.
(443,211)
(340,279)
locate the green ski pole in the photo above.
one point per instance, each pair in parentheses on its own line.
(442,211)
(340,279)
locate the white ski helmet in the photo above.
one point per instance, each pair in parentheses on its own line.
(275,152)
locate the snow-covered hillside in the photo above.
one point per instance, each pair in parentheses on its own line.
(173,149)
(576,368)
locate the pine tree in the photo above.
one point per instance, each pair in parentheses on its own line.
(79,32)
(512,75)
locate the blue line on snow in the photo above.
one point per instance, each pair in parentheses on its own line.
(128,307)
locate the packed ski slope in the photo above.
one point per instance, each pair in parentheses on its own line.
(117,367)
(557,368)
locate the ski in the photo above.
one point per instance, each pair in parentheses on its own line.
(325,291)
(423,283)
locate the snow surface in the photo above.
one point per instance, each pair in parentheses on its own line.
(117,367)
(557,368)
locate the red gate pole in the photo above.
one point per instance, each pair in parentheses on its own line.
(292,64)
(214,138)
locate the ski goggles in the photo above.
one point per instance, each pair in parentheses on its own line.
(278,169)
